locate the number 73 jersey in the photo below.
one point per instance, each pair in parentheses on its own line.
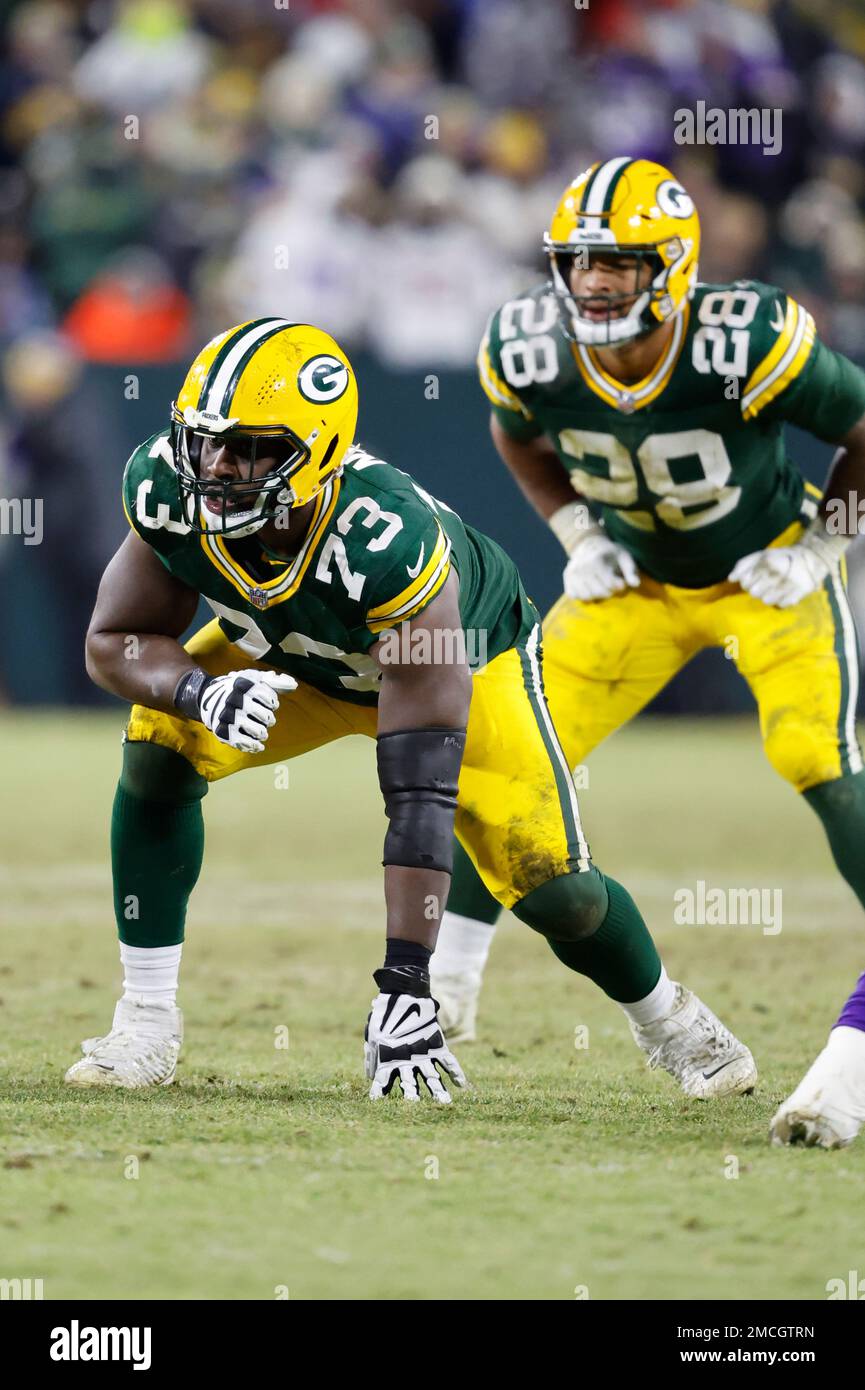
(378,550)
(687,468)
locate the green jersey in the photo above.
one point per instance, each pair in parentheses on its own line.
(686,468)
(378,550)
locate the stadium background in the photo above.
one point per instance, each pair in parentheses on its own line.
(168,167)
(278,160)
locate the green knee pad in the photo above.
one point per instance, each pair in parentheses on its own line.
(568,908)
(594,927)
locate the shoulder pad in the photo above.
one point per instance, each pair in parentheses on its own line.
(782,338)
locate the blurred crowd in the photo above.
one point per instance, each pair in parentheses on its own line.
(387,169)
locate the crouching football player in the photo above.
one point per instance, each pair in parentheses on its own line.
(312,554)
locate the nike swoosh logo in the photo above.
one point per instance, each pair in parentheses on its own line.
(707,1075)
(410,1011)
(777,326)
(413,573)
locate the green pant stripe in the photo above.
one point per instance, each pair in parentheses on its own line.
(529,654)
(848,668)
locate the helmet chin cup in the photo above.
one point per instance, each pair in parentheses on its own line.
(244,527)
(611,332)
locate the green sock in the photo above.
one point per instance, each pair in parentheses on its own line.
(620,956)
(468,897)
(157,844)
(841,807)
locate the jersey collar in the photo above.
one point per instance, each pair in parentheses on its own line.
(628,398)
(262,594)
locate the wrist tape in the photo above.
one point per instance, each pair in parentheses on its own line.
(189,690)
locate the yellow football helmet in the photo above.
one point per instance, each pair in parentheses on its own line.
(625,207)
(266,388)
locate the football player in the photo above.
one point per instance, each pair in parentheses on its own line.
(324,566)
(660,402)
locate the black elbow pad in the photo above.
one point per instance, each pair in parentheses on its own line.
(419,770)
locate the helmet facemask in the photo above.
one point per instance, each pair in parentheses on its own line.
(242,505)
(638,318)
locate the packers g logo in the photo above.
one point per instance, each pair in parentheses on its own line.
(322,378)
(673,200)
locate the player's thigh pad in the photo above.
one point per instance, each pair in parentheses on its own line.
(307,718)
(604,661)
(803,669)
(517,814)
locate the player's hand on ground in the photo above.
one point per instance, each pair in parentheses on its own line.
(404,1043)
(780,577)
(240,707)
(599,568)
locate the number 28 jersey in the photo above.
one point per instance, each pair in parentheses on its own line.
(378,550)
(687,468)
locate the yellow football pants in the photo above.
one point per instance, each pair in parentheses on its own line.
(517,815)
(604,661)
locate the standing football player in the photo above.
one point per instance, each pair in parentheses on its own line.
(661,402)
(329,571)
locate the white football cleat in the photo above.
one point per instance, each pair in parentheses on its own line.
(141,1050)
(827,1108)
(695,1048)
(457,997)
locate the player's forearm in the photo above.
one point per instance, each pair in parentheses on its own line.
(422,728)
(423,713)
(415,900)
(845,483)
(419,774)
(537,471)
(143,668)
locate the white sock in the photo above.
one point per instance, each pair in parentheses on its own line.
(656,1005)
(150,974)
(462,946)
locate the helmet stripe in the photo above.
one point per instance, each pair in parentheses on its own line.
(587,186)
(599,194)
(231,337)
(246,354)
(223,365)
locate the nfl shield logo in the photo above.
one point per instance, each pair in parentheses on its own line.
(258,597)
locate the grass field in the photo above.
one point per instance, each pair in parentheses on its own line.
(266,1168)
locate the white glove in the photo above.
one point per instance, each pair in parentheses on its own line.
(599,568)
(403,1041)
(239,708)
(781,577)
